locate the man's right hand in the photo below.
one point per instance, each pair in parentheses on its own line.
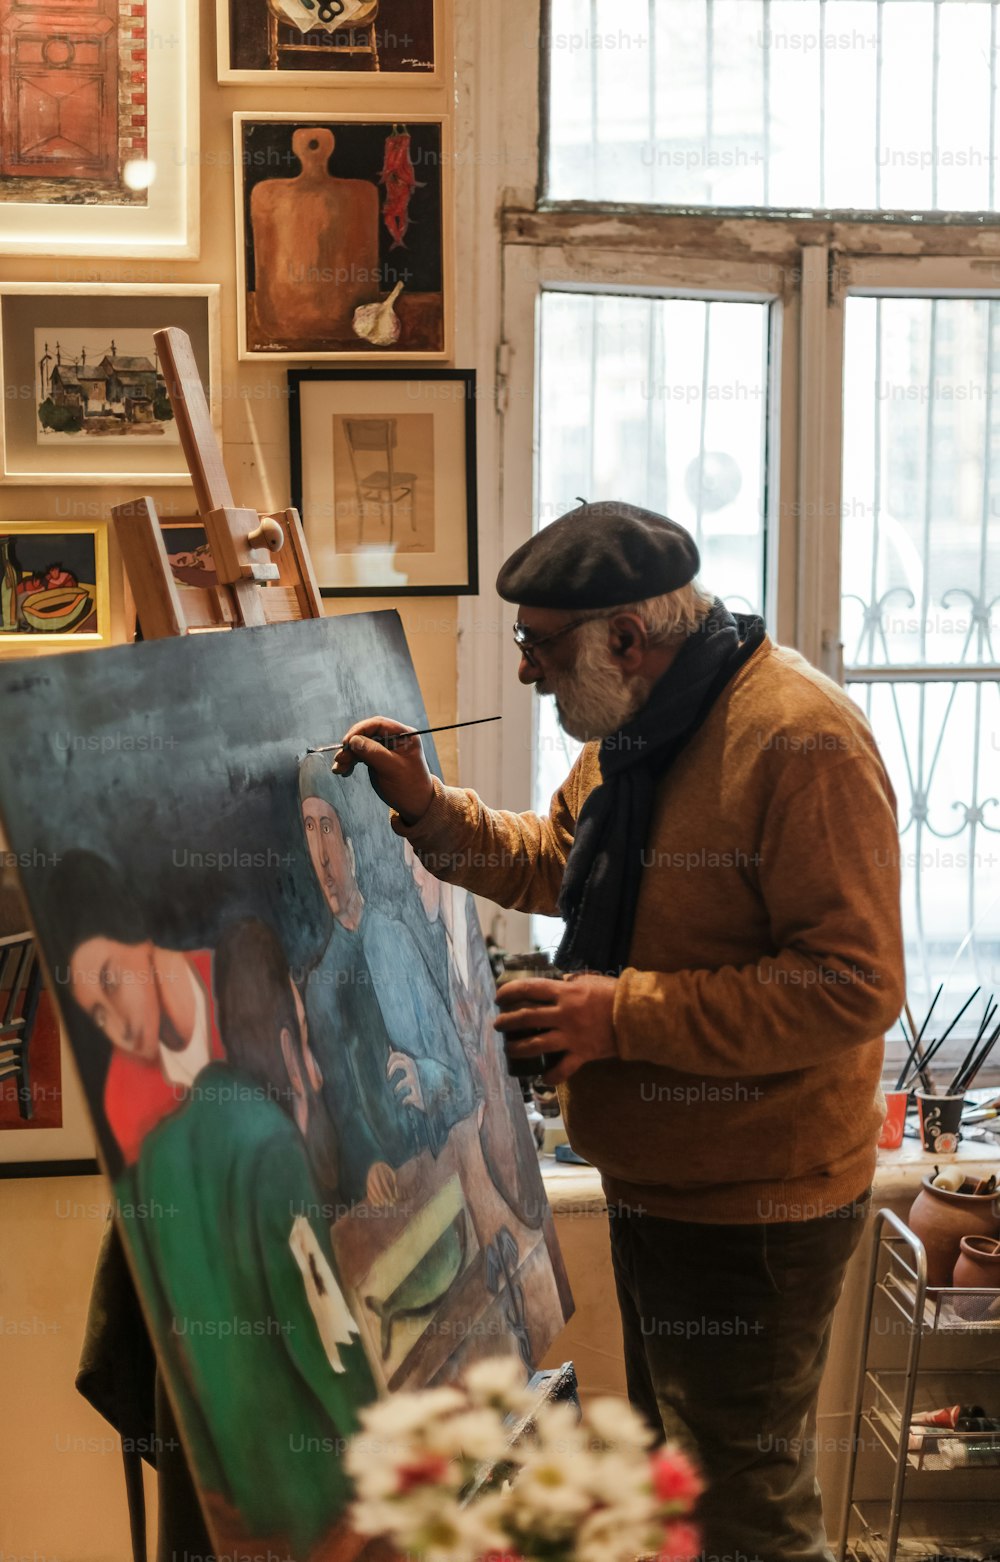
(399,773)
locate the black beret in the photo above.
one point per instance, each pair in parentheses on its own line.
(600,555)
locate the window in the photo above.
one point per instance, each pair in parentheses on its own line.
(921,611)
(784,105)
(771,348)
(672,393)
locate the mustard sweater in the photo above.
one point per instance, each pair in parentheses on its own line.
(766,959)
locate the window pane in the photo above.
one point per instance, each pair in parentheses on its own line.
(941,745)
(921,585)
(921,481)
(774,103)
(661,402)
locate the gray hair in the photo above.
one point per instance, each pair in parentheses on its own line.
(677,612)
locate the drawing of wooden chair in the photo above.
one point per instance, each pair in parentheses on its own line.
(251,589)
(384,488)
(20,990)
(359,18)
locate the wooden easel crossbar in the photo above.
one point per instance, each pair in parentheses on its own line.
(263,570)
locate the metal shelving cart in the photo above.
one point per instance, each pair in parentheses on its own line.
(927,1492)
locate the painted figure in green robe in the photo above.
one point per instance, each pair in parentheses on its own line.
(226,1217)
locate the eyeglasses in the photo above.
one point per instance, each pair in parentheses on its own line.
(527,644)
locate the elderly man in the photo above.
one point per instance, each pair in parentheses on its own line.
(723,854)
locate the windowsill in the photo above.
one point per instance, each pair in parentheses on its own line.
(577,1190)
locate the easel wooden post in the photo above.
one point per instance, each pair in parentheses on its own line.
(252,589)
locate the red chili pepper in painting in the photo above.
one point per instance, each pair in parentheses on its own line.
(400,182)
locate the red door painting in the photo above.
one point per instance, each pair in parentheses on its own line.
(59,89)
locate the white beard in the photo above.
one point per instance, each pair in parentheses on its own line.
(593,700)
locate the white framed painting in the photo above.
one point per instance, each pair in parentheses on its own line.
(86,400)
(330,43)
(343,237)
(99,129)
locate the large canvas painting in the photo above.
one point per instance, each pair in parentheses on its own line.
(341,243)
(282,1023)
(389,42)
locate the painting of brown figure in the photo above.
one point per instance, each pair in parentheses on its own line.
(73,106)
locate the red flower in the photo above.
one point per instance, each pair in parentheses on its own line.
(674,1477)
(426,1470)
(682,1543)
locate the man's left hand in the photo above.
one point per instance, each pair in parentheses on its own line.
(572,1016)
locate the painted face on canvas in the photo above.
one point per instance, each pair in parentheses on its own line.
(115,984)
(330,853)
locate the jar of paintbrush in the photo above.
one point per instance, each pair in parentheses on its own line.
(940,1109)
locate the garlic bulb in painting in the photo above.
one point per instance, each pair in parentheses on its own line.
(379,323)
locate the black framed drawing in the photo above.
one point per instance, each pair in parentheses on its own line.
(383,469)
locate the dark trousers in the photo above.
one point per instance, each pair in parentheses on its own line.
(727,1330)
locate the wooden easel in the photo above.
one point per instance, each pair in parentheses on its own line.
(252,588)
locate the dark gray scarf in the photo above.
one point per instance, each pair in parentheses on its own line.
(600,885)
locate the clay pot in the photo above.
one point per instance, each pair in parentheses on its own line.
(941,1219)
(978,1265)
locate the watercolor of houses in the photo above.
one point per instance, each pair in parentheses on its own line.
(118,386)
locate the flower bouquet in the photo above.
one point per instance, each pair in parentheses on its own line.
(573,1489)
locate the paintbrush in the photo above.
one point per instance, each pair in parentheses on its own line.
(936,1046)
(987,1016)
(915,1049)
(392,738)
(925,1078)
(913,1053)
(965,1080)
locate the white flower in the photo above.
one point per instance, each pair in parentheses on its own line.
(371,1517)
(438,1530)
(470,1434)
(614,1421)
(604,1537)
(499,1380)
(403,1414)
(558,1430)
(551,1494)
(621,1481)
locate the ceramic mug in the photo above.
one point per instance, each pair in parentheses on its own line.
(940,1122)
